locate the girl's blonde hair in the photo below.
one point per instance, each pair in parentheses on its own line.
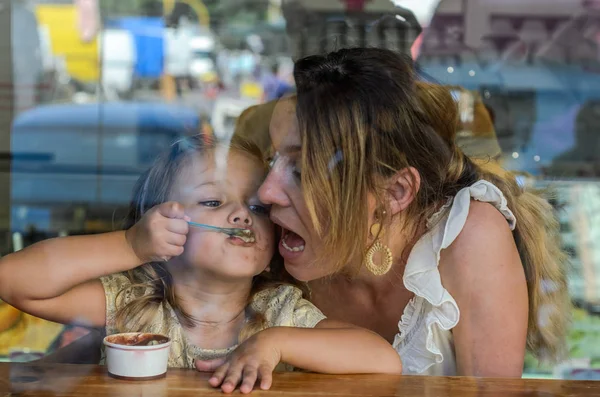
(151,283)
(362,118)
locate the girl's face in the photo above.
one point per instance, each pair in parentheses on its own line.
(225,196)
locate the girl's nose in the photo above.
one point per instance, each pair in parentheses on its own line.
(241,217)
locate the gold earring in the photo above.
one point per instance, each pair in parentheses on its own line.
(383,250)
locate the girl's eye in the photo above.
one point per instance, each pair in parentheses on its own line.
(211,203)
(260,209)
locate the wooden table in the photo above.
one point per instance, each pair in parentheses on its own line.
(92,380)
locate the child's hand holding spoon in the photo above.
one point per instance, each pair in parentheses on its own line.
(161,233)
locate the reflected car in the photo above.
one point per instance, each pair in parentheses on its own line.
(87,156)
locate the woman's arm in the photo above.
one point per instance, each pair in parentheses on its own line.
(330,347)
(483,272)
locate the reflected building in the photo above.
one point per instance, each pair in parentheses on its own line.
(536,66)
(318,26)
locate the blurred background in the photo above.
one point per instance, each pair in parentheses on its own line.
(92,90)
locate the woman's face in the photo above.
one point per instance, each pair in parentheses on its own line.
(299,244)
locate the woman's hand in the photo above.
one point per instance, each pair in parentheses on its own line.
(256,358)
(161,233)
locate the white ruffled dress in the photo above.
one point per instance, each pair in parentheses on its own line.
(425,340)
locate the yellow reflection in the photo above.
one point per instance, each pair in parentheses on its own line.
(80,57)
(20,331)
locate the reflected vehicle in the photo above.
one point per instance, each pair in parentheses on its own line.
(78,56)
(67,159)
(203,46)
(28,60)
(118,57)
(148,48)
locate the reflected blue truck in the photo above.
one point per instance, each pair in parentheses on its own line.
(89,155)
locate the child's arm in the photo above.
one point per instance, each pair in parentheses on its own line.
(57,279)
(330,347)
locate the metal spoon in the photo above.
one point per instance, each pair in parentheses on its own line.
(234,232)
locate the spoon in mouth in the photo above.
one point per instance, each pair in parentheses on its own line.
(245,235)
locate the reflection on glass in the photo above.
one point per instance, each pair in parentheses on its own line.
(91,91)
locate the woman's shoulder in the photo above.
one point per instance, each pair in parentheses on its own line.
(474,229)
(285,305)
(479,223)
(470,241)
(484,221)
(485,228)
(484,245)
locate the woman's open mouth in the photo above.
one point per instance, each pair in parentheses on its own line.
(291,242)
